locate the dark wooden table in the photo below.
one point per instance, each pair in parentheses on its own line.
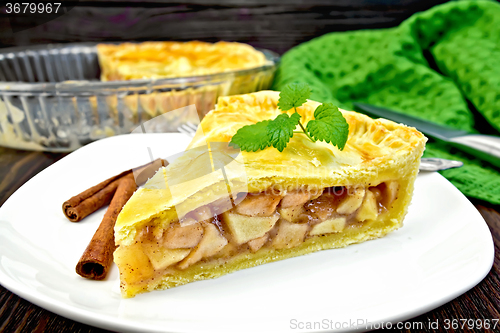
(19,315)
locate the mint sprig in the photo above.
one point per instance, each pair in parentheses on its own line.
(293,95)
(252,137)
(281,129)
(328,125)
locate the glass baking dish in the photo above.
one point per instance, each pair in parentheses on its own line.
(51,98)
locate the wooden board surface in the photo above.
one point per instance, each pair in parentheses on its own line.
(274,25)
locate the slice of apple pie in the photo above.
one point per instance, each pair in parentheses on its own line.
(215,210)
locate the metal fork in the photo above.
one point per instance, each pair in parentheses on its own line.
(436,164)
(188,129)
(426,164)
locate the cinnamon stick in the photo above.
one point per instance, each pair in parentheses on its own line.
(98,256)
(87,202)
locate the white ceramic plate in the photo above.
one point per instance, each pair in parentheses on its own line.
(443,250)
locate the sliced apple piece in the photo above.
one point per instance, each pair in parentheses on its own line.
(391,192)
(133,262)
(329,226)
(245,228)
(351,202)
(227,251)
(289,234)
(257,243)
(378,194)
(161,257)
(261,204)
(211,243)
(291,214)
(295,198)
(369,207)
(183,236)
(323,206)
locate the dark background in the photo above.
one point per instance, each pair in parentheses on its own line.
(274,25)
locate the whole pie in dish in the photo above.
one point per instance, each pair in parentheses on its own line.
(157,60)
(190,224)
(152,60)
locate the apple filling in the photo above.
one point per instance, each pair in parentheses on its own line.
(260,222)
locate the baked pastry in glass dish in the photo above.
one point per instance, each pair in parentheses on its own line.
(191,63)
(189,225)
(154,60)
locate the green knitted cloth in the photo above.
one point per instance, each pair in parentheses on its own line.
(387,67)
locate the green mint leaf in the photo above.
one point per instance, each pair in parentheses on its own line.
(280,130)
(329,125)
(293,95)
(252,137)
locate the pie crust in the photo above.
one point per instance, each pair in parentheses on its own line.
(162,60)
(191,224)
(154,60)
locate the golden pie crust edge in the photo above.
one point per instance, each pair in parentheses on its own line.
(170,59)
